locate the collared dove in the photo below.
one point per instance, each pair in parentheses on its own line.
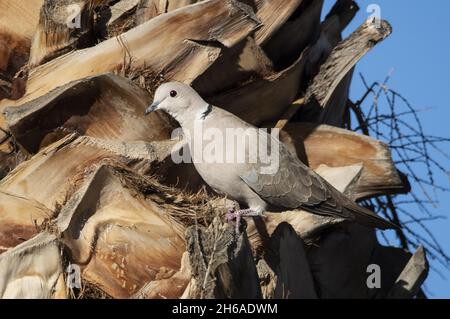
(291,185)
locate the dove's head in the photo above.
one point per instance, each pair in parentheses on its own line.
(177,99)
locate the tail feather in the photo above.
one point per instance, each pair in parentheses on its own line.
(366,217)
(341,206)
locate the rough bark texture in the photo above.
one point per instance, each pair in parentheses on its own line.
(264,99)
(335,74)
(18,21)
(63,26)
(222,263)
(105,106)
(412,277)
(33,270)
(211,23)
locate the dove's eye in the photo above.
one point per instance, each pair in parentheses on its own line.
(173,93)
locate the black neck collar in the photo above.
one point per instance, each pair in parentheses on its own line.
(206,113)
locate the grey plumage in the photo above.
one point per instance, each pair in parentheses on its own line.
(292,185)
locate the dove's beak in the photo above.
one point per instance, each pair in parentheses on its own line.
(152,108)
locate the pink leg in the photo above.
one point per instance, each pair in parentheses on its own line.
(238,214)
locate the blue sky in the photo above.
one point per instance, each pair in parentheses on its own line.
(419,52)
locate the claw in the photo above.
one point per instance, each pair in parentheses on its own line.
(230,215)
(238,214)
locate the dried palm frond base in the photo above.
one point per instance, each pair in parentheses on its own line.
(110,220)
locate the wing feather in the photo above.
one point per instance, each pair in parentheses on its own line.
(295,185)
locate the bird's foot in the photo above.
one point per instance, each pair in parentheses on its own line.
(238,214)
